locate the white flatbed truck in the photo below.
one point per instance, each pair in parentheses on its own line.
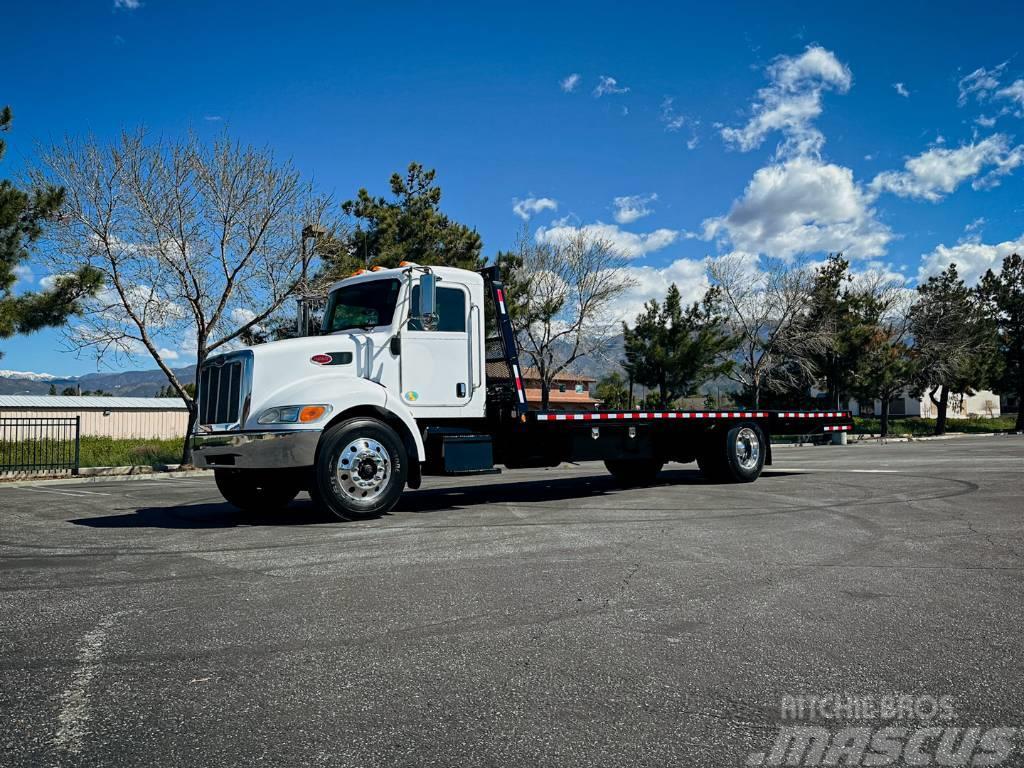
(416,372)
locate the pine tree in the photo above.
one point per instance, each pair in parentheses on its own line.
(675,349)
(952,341)
(1003,297)
(22,216)
(409,227)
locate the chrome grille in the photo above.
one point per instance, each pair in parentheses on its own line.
(221,392)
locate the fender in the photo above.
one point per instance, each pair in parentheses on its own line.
(343,394)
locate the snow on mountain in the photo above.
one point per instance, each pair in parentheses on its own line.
(30,376)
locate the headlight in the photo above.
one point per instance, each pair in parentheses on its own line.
(294,414)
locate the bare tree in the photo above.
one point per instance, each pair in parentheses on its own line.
(768,305)
(197,244)
(565,293)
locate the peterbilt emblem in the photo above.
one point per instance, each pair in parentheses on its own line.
(321,359)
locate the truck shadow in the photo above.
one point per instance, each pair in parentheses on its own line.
(477,492)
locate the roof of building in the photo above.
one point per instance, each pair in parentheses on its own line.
(554,396)
(531,373)
(39,402)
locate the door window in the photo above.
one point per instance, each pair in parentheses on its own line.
(451,310)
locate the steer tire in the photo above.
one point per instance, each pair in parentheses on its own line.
(360,469)
(735,454)
(634,472)
(256,490)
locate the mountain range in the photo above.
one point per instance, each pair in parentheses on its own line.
(118,383)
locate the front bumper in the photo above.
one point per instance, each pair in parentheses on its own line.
(255,450)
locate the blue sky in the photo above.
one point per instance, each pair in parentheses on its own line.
(892,131)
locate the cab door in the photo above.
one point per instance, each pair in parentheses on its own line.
(435,363)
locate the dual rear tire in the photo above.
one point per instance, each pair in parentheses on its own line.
(734,455)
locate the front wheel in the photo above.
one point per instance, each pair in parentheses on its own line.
(632,472)
(735,455)
(256,490)
(360,469)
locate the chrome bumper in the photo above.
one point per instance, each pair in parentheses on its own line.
(255,450)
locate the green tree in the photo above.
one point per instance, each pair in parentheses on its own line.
(675,349)
(69,391)
(611,391)
(848,314)
(1003,300)
(53,389)
(23,213)
(407,227)
(952,341)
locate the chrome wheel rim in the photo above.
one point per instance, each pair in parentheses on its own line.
(748,448)
(364,468)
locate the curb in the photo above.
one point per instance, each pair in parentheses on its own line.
(113,478)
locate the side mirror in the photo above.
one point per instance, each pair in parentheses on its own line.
(428,299)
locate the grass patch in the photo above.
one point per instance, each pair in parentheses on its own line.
(917,427)
(97,451)
(111,452)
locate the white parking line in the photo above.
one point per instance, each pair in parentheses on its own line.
(66,493)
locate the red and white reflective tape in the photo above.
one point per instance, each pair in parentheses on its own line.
(812,415)
(647,415)
(501,300)
(519,381)
(838,428)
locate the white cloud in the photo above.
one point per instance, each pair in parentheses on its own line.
(531,206)
(569,83)
(981,83)
(791,101)
(802,206)
(971,258)
(690,275)
(901,89)
(984,121)
(630,245)
(939,171)
(606,85)
(23,274)
(669,117)
(167,354)
(212,118)
(127,5)
(632,207)
(976,225)
(1014,92)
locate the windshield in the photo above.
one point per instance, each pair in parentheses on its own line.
(362,305)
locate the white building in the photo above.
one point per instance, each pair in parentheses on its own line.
(117,417)
(982,404)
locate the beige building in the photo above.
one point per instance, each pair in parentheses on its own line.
(982,404)
(118,417)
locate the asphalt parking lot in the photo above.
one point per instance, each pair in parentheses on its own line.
(543,617)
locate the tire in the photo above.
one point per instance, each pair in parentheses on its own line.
(735,455)
(377,457)
(634,472)
(256,490)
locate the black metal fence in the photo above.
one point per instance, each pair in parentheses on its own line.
(38,444)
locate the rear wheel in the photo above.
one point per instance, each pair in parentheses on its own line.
(256,490)
(633,472)
(360,470)
(734,455)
